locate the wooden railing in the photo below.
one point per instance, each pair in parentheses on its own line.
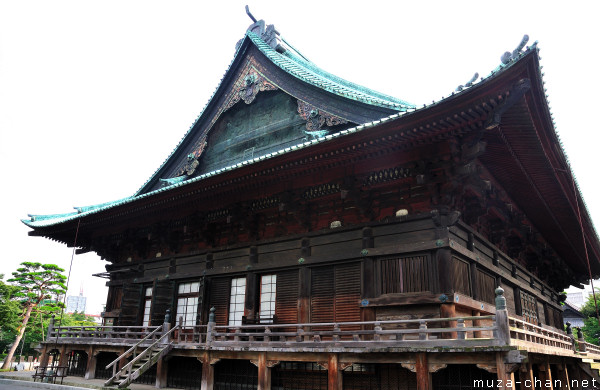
(372,334)
(521,331)
(100,332)
(480,331)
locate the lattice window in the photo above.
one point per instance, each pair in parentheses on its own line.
(268,289)
(235,374)
(147,306)
(236,301)
(187,302)
(529,308)
(378,377)
(299,376)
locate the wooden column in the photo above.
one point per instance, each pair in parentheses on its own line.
(445,275)
(503,376)
(422,370)
(478,333)
(334,375)
(264,372)
(562,380)
(90,372)
(208,373)
(448,310)
(304,298)
(161,373)
(250,305)
(44,359)
(545,376)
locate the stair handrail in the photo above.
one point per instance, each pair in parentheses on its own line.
(126,353)
(127,367)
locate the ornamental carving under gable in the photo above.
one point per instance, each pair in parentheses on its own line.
(316,119)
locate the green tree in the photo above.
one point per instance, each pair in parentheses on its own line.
(9,314)
(591,329)
(39,286)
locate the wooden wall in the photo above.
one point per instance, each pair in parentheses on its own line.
(385,270)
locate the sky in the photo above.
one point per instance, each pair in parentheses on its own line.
(95,95)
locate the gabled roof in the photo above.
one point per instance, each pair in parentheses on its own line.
(45,221)
(286,58)
(523,154)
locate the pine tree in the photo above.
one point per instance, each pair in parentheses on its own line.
(39,286)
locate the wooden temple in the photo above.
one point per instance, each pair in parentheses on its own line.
(310,233)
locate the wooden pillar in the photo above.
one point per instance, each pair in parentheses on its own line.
(478,333)
(304,298)
(422,370)
(250,305)
(448,310)
(264,372)
(545,378)
(90,372)
(161,373)
(208,373)
(445,275)
(562,380)
(334,375)
(123,361)
(506,380)
(44,359)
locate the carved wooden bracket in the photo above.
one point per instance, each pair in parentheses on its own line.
(343,366)
(315,118)
(409,366)
(247,86)
(436,367)
(272,363)
(325,365)
(491,368)
(213,361)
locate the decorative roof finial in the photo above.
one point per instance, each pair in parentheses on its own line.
(249,14)
(468,84)
(508,56)
(268,33)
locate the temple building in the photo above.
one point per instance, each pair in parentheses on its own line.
(311,233)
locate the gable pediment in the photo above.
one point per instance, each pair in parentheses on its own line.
(261,106)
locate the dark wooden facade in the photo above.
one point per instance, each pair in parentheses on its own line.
(419,215)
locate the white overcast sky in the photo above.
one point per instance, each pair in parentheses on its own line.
(94,95)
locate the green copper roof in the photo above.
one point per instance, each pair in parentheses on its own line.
(307,72)
(294,63)
(297,65)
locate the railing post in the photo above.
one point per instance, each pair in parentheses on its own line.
(336,333)
(581,340)
(377,329)
(422,326)
(571,336)
(503,329)
(299,334)
(210,327)
(461,334)
(180,332)
(166,327)
(50,327)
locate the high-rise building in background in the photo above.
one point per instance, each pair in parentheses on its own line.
(76,303)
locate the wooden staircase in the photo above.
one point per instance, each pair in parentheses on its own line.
(141,361)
